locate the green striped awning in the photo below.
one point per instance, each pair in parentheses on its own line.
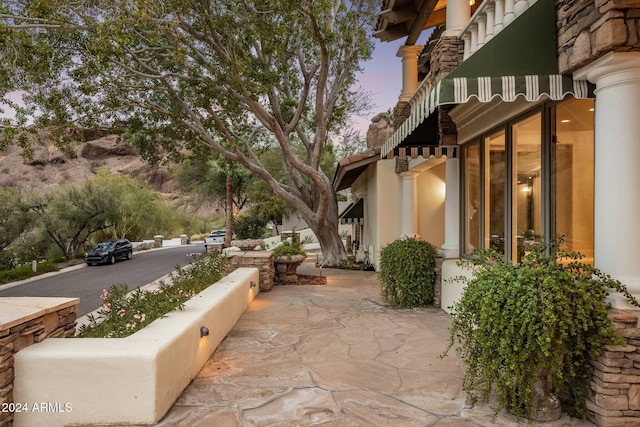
(459,90)
(520,61)
(353,214)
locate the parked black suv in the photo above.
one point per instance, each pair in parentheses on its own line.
(109,252)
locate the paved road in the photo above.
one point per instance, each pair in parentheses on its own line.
(87,283)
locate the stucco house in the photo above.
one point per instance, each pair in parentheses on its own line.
(528,112)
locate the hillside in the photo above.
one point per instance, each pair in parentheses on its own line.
(50,168)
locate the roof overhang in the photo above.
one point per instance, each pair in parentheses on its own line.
(349,169)
(409,18)
(520,61)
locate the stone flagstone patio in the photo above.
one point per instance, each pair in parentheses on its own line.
(334,355)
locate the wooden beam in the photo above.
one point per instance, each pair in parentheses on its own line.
(425,11)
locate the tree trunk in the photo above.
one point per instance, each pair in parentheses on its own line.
(229,211)
(326,230)
(333,251)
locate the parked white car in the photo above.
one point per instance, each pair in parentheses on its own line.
(216,237)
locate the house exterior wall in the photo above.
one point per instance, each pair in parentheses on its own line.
(379,185)
(598,41)
(431,214)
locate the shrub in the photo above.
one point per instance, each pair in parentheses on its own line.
(288,249)
(407,272)
(543,318)
(122,312)
(249,226)
(26,271)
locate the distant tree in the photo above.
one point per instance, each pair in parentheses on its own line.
(134,214)
(205,179)
(217,180)
(15,215)
(74,213)
(233,76)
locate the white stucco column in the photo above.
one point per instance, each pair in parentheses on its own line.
(409,55)
(509,15)
(458,13)
(498,17)
(409,208)
(617,167)
(451,246)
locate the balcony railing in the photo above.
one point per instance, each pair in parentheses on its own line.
(488,20)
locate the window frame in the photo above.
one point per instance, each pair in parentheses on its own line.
(548,136)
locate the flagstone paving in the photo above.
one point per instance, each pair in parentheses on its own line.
(338,356)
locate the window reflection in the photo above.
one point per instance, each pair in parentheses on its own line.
(572,175)
(472,197)
(495,186)
(527,187)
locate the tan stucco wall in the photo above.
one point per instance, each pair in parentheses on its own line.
(431,192)
(380,187)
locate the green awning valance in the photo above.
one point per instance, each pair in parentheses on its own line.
(353,214)
(519,61)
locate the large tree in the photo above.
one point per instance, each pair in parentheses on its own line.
(232,75)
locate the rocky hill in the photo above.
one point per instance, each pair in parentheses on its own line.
(50,168)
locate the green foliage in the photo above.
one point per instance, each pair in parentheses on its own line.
(288,249)
(122,312)
(138,211)
(544,317)
(407,272)
(249,225)
(107,207)
(73,214)
(15,215)
(26,271)
(205,178)
(29,246)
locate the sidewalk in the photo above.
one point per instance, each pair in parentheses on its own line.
(334,355)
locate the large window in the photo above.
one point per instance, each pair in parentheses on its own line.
(526,185)
(530,178)
(572,154)
(495,191)
(472,191)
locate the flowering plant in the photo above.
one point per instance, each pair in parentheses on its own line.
(122,312)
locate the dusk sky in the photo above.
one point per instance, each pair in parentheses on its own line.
(382,79)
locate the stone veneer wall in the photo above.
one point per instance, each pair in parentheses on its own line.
(614,400)
(587,29)
(262,260)
(446,55)
(56,322)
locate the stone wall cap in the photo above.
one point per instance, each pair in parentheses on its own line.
(17,310)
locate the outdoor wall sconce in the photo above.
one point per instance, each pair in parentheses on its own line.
(253,284)
(204,331)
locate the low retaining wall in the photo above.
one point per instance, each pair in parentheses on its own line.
(132,380)
(25,321)
(614,400)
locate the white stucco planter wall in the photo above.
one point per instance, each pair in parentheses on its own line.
(452,289)
(132,380)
